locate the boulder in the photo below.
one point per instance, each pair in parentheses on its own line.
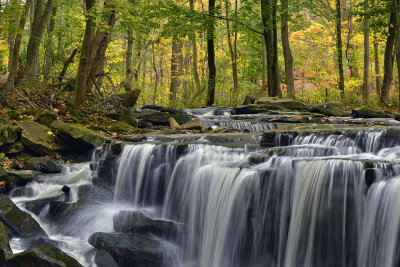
(46,117)
(18,222)
(371,113)
(283,102)
(80,138)
(249,100)
(137,222)
(195,124)
(43,164)
(129,249)
(129,119)
(159,116)
(173,123)
(9,134)
(32,257)
(330,109)
(37,205)
(39,138)
(14,148)
(104,259)
(4,241)
(130,98)
(59,211)
(15,179)
(56,253)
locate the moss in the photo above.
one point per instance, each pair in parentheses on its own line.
(56,253)
(5,240)
(117,127)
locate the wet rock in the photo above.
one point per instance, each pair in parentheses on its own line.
(330,109)
(369,176)
(4,241)
(195,124)
(173,123)
(250,109)
(371,113)
(19,222)
(32,257)
(129,99)
(129,119)
(129,249)
(37,205)
(15,179)
(42,164)
(284,103)
(116,148)
(12,149)
(249,100)
(159,116)
(138,222)
(59,211)
(66,189)
(56,253)
(39,138)
(78,137)
(21,191)
(46,117)
(104,259)
(9,134)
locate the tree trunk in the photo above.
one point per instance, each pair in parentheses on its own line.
(365,90)
(232,48)
(175,83)
(268,12)
(17,45)
(60,34)
(212,71)
(49,47)
(69,61)
(388,61)
(41,18)
(156,78)
(339,48)
(194,53)
(377,68)
(264,86)
(286,49)
(129,55)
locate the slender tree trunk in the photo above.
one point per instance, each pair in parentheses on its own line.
(232,48)
(389,59)
(156,73)
(194,53)
(11,37)
(377,68)
(174,85)
(129,55)
(286,49)
(212,71)
(69,61)
(264,86)
(41,18)
(339,48)
(49,43)
(17,45)
(365,91)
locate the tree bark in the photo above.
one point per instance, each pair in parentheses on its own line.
(365,90)
(264,86)
(339,48)
(212,71)
(175,73)
(232,48)
(41,18)
(389,59)
(69,61)
(129,55)
(49,48)
(377,68)
(17,45)
(286,49)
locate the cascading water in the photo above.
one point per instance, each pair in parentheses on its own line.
(320,201)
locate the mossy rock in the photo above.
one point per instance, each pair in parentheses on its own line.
(46,117)
(118,127)
(162,118)
(18,222)
(77,135)
(56,253)
(15,148)
(331,109)
(129,119)
(39,138)
(129,99)
(5,240)
(314,127)
(283,102)
(33,257)
(9,134)
(371,113)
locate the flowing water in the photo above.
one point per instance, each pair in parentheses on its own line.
(319,201)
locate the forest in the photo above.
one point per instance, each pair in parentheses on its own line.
(196,53)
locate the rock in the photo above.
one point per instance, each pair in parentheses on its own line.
(104,259)
(129,119)
(5,241)
(116,148)
(19,222)
(195,124)
(66,189)
(129,99)
(43,164)
(39,138)
(78,137)
(37,205)
(9,134)
(14,148)
(3,173)
(32,257)
(59,211)
(137,222)
(173,123)
(46,117)
(371,113)
(284,103)
(129,249)
(56,253)
(330,109)
(369,176)
(15,179)
(159,116)
(249,100)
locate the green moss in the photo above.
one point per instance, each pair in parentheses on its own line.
(56,253)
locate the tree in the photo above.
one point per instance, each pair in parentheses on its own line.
(366,52)
(339,48)
(194,53)
(286,48)
(232,47)
(212,71)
